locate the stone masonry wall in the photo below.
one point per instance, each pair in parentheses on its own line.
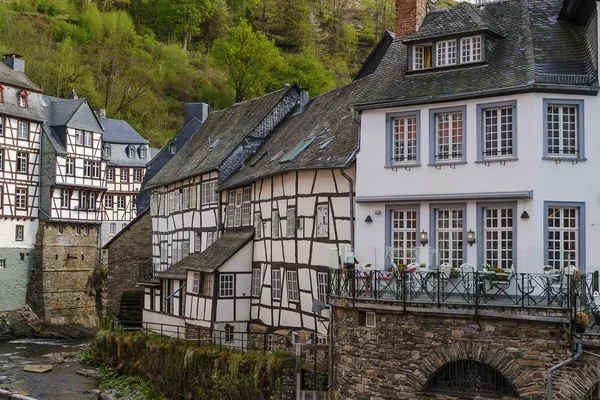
(62,287)
(127,254)
(396,359)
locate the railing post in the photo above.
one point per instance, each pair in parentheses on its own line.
(438,273)
(522,290)
(477,292)
(595,281)
(404,291)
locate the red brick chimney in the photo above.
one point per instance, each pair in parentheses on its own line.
(409,15)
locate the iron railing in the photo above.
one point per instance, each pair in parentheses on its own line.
(489,288)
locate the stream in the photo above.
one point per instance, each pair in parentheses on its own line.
(62,383)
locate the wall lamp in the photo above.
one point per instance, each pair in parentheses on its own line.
(424,239)
(471,237)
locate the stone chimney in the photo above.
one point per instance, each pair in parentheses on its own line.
(303,99)
(14,61)
(409,15)
(100,112)
(73,95)
(191,110)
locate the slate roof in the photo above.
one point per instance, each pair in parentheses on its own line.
(119,131)
(327,118)
(16,78)
(535,42)
(74,113)
(213,257)
(463,18)
(230,126)
(129,225)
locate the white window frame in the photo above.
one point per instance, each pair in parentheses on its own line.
(555,113)
(403,235)
(499,235)
(70,166)
(21,198)
(88,139)
(110,174)
(370,320)
(1,159)
(211,237)
(246,206)
(256,281)
(496,131)
(23,130)
(291,222)
(96,170)
(124,174)
(197,242)
(87,168)
(226,285)
(78,137)
(22,162)
(451,146)
(109,201)
(112,228)
(257,225)
(276,284)
(292,285)
(322,285)
(137,175)
(196,282)
(83,200)
(237,220)
(445,53)
(405,139)
(419,53)
(185,249)
(121,203)
(275,226)
(564,236)
(471,49)
(65,198)
(19,233)
(186,198)
(322,225)
(449,237)
(207,282)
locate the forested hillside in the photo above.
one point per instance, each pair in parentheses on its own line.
(142,59)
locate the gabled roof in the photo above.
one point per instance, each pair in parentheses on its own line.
(535,42)
(213,257)
(73,113)
(119,131)
(326,119)
(374,58)
(229,127)
(16,78)
(464,18)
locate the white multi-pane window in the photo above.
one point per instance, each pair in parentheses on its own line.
(121,202)
(153,203)
(226,285)
(65,198)
(137,175)
(110,174)
(256,277)
(23,130)
(291,222)
(470,49)
(322,286)
(1,159)
(563,236)
(112,228)
(164,250)
(70,166)
(196,282)
(87,169)
(186,198)
(449,231)
(230,208)
(83,197)
(171,201)
(131,152)
(88,139)
(79,137)
(209,192)
(404,139)
(292,286)
(92,201)
(22,161)
(257,225)
(446,52)
(162,202)
(449,136)
(185,249)
(276,283)
(228,333)
(562,131)
(322,220)
(211,237)
(193,196)
(404,236)
(275,224)
(177,195)
(422,56)
(207,284)
(124,175)
(21,199)
(197,242)
(498,132)
(237,220)
(96,170)
(1,121)
(108,201)
(498,233)
(246,207)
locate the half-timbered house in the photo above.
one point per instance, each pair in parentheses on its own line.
(21,118)
(73,183)
(185,203)
(126,154)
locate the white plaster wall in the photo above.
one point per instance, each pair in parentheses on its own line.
(548,180)
(8,229)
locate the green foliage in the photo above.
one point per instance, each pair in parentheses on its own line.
(86,355)
(126,385)
(305,70)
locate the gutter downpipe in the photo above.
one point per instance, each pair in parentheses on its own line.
(560,365)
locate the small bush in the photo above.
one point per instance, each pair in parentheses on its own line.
(51,7)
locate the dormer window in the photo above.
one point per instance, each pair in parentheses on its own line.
(23,99)
(143,152)
(446,53)
(130,152)
(107,151)
(423,56)
(470,49)
(173,148)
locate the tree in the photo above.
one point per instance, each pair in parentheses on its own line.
(250,60)
(305,70)
(190,14)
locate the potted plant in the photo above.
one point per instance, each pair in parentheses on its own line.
(548,269)
(402,267)
(581,321)
(454,273)
(422,265)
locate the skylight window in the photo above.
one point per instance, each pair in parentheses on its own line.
(326,143)
(212,146)
(295,152)
(276,156)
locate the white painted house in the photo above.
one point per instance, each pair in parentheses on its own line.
(478,139)
(21,119)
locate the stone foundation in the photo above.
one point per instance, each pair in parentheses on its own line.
(62,288)
(397,358)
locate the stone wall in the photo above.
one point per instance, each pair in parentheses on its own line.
(397,358)
(126,255)
(14,277)
(62,287)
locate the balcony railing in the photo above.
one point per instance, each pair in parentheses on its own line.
(478,288)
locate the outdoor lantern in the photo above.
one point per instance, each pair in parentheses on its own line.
(471,237)
(368,219)
(424,240)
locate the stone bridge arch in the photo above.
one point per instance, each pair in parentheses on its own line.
(576,381)
(496,357)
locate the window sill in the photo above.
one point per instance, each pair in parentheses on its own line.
(496,160)
(442,163)
(446,68)
(577,159)
(402,166)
